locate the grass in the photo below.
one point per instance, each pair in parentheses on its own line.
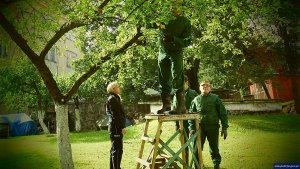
(254,141)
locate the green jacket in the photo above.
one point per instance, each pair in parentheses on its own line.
(179,31)
(190,94)
(211,110)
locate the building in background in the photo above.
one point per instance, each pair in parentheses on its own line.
(60,57)
(279,87)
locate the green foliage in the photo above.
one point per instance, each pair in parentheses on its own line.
(225,36)
(19,83)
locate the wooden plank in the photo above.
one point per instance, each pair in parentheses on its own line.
(171,139)
(193,150)
(180,150)
(143,143)
(171,152)
(198,142)
(157,136)
(163,117)
(143,162)
(182,143)
(148,139)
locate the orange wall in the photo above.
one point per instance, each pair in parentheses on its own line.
(280,87)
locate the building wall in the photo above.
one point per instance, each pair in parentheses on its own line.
(237,106)
(253,106)
(59,59)
(280,87)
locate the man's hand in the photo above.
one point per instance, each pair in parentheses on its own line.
(124,131)
(224,132)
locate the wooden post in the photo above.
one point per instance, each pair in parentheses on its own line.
(172,157)
(198,142)
(143,143)
(157,137)
(182,143)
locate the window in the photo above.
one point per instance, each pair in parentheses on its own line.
(70,56)
(70,36)
(51,55)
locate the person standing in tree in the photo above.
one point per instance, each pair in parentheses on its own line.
(173,38)
(211,110)
(116,124)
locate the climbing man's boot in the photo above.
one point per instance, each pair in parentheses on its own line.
(180,107)
(166,101)
(217,166)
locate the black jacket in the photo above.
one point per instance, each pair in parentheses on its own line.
(116,114)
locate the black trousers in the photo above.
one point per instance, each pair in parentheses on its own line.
(116,151)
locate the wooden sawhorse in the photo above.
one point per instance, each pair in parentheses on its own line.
(150,162)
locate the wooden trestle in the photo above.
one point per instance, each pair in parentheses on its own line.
(158,157)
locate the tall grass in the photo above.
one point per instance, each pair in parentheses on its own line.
(254,141)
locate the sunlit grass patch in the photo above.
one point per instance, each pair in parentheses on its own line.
(254,141)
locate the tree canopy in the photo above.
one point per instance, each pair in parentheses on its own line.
(233,39)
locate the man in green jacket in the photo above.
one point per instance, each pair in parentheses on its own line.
(172,39)
(190,94)
(211,110)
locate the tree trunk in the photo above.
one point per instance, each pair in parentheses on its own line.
(41,116)
(77,114)
(63,141)
(77,120)
(292,62)
(41,113)
(266,90)
(241,93)
(192,74)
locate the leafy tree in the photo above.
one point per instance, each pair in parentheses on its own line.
(35,32)
(112,33)
(289,31)
(22,87)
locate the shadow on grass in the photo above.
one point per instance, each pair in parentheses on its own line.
(32,161)
(269,122)
(92,136)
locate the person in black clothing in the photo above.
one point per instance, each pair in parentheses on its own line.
(116,124)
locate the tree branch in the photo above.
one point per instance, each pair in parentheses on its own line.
(135,9)
(64,29)
(61,32)
(97,66)
(103,4)
(17,38)
(38,62)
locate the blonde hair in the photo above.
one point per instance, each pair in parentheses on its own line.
(111,87)
(205,82)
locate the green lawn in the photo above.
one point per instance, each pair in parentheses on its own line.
(254,141)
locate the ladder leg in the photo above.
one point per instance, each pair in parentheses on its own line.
(143,143)
(182,143)
(198,142)
(157,137)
